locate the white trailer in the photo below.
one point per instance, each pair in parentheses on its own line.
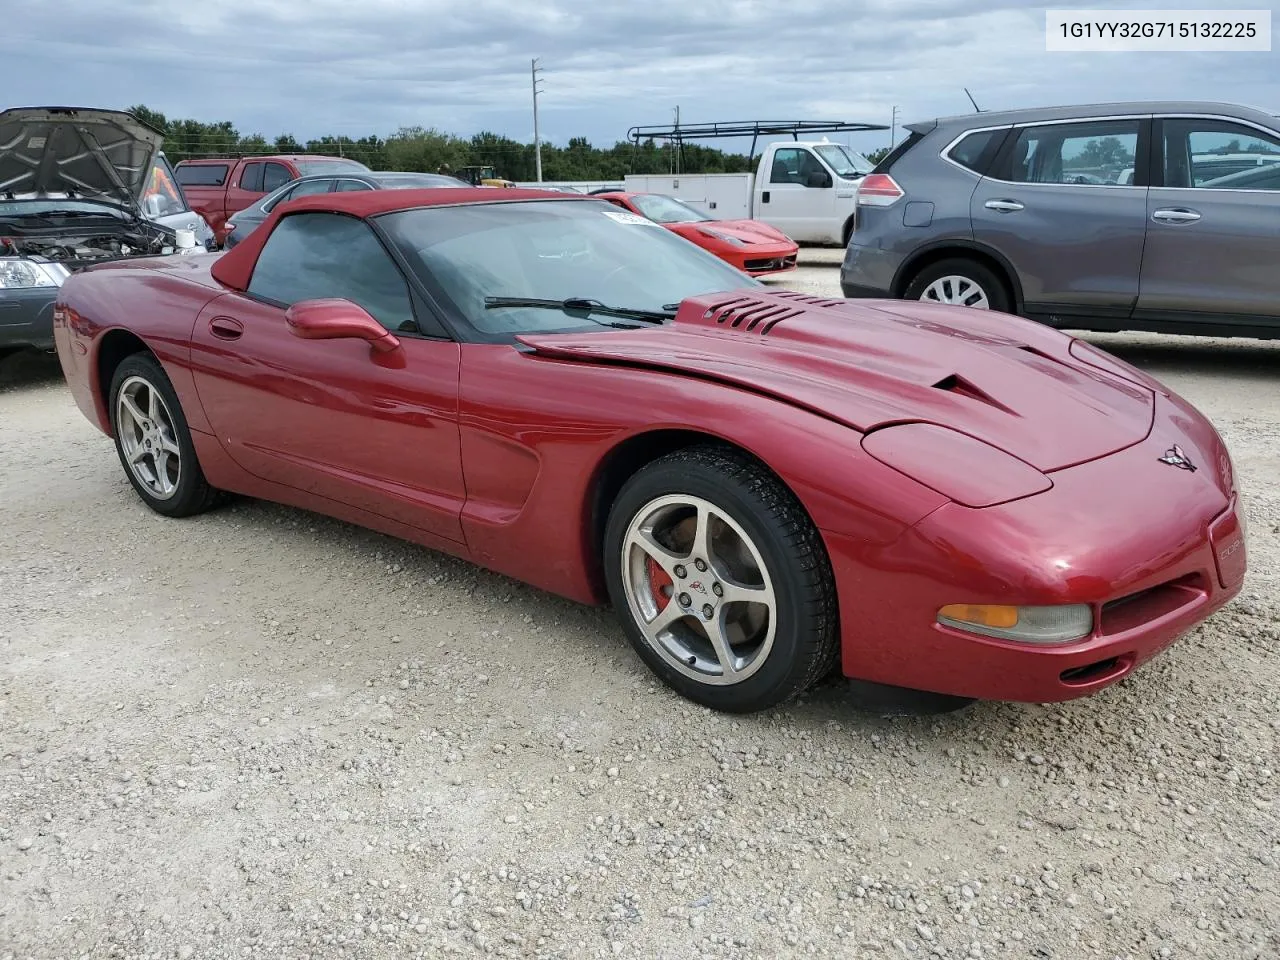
(806,189)
(724,196)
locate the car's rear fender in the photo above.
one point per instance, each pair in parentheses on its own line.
(104,314)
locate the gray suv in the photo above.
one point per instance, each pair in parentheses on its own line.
(1119,216)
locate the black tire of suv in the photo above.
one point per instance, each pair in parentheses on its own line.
(992,285)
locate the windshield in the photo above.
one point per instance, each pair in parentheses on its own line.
(163,197)
(662,209)
(410,180)
(551,250)
(845,162)
(310,168)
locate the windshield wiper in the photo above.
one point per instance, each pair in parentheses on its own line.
(586,307)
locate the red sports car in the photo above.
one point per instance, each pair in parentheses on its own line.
(753,247)
(764,484)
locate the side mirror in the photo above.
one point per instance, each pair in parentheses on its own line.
(153,206)
(818,178)
(336,319)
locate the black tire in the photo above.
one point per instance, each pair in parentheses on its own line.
(805,642)
(192,494)
(997,293)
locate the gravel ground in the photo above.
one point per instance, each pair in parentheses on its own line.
(264,733)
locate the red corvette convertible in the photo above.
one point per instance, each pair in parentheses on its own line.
(764,484)
(753,247)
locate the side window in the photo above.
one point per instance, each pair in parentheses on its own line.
(350,186)
(790,165)
(301,190)
(1096,153)
(314,255)
(251,178)
(202,175)
(969,151)
(275,176)
(1219,155)
(310,187)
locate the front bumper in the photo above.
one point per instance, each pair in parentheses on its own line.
(26,317)
(761,260)
(1153,549)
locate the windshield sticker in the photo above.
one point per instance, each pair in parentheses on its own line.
(623,217)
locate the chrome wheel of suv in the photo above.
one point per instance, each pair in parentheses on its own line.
(960,282)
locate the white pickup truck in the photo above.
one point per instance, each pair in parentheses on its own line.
(804,188)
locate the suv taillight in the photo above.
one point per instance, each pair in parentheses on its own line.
(878,190)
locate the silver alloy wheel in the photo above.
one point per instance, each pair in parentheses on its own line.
(699,590)
(147,438)
(957,290)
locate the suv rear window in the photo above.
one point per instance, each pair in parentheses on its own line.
(971,151)
(202,174)
(894,155)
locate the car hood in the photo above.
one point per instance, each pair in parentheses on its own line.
(748,231)
(56,151)
(869,364)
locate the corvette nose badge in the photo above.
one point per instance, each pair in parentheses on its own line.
(1176,458)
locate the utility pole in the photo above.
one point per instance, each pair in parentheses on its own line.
(893,129)
(676,144)
(537,141)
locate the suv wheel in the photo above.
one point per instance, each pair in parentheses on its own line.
(961,282)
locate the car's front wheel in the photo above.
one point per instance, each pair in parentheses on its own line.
(721,580)
(960,282)
(153,440)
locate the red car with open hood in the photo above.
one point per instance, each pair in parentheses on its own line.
(765,485)
(753,247)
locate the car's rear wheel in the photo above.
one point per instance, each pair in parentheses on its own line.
(153,440)
(961,282)
(721,580)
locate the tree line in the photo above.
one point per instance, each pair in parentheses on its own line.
(425,149)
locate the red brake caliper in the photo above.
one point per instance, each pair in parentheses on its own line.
(660,583)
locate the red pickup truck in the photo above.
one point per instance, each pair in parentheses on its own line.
(217,188)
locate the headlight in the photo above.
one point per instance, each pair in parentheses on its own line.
(17,273)
(736,241)
(1057,624)
(961,468)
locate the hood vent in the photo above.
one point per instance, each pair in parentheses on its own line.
(750,314)
(760,314)
(808,300)
(961,387)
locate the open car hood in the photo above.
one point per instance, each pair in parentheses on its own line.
(57,152)
(870,364)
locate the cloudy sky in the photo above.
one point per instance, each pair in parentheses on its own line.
(309,67)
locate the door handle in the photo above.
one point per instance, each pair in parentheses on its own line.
(1175,215)
(225,328)
(1004,206)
